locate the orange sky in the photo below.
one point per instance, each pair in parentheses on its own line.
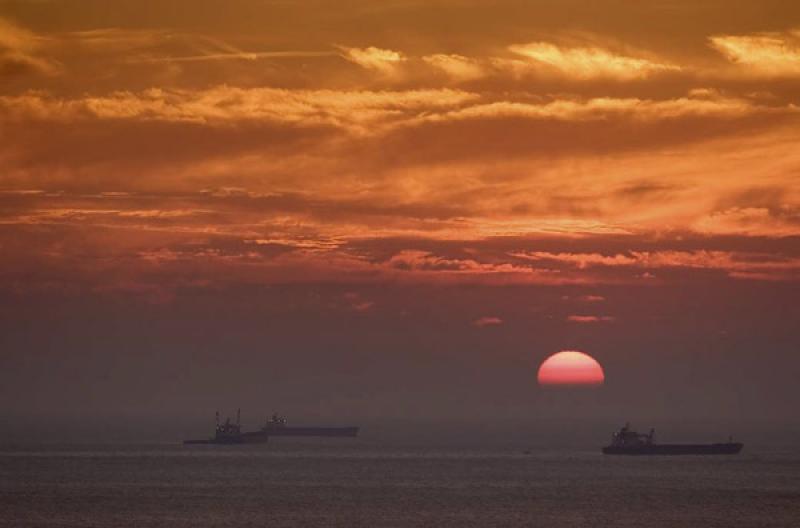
(268,141)
(154,148)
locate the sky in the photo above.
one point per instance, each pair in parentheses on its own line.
(393,212)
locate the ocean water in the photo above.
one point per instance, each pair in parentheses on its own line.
(352,485)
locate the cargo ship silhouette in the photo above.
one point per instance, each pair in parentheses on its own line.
(628,442)
(231,433)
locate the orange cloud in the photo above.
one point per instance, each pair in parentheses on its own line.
(580,260)
(115,39)
(767,55)
(752,221)
(374,187)
(358,303)
(590,318)
(240,55)
(223,104)
(365,113)
(607,107)
(384,61)
(585,63)
(592,298)
(737,264)
(18,52)
(458,67)
(423,262)
(285,171)
(487,321)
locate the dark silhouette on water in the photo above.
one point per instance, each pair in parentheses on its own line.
(231,433)
(628,442)
(226,433)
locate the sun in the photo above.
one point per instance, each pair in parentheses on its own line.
(570,367)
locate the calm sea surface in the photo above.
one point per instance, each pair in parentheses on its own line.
(357,485)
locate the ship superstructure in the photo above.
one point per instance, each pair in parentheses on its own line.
(227,432)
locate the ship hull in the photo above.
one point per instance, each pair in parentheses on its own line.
(224,441)
(264,434)
(728,448)
(259,437)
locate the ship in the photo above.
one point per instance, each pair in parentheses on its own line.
(628,442)
(278,426)
(229,432)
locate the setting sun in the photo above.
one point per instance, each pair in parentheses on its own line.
(570,367)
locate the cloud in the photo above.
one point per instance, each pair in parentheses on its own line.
(114,39)
(357,303)
(383,61)
(590,319)
(592,298)
(764,276)
(437,181)
(763,55)
(224,104)
(580,260)
(363,112)
(457,67)
(736,264)
(241,55)
(753,221)
(18,52)
(487,321)
(220,135)
(585,63)
(163,46)
(602,108)
(582,196)
(226,241)
(425,262)
(328,158)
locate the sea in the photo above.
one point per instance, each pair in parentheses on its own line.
(360,485)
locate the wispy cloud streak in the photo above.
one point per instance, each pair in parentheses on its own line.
(766,54)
